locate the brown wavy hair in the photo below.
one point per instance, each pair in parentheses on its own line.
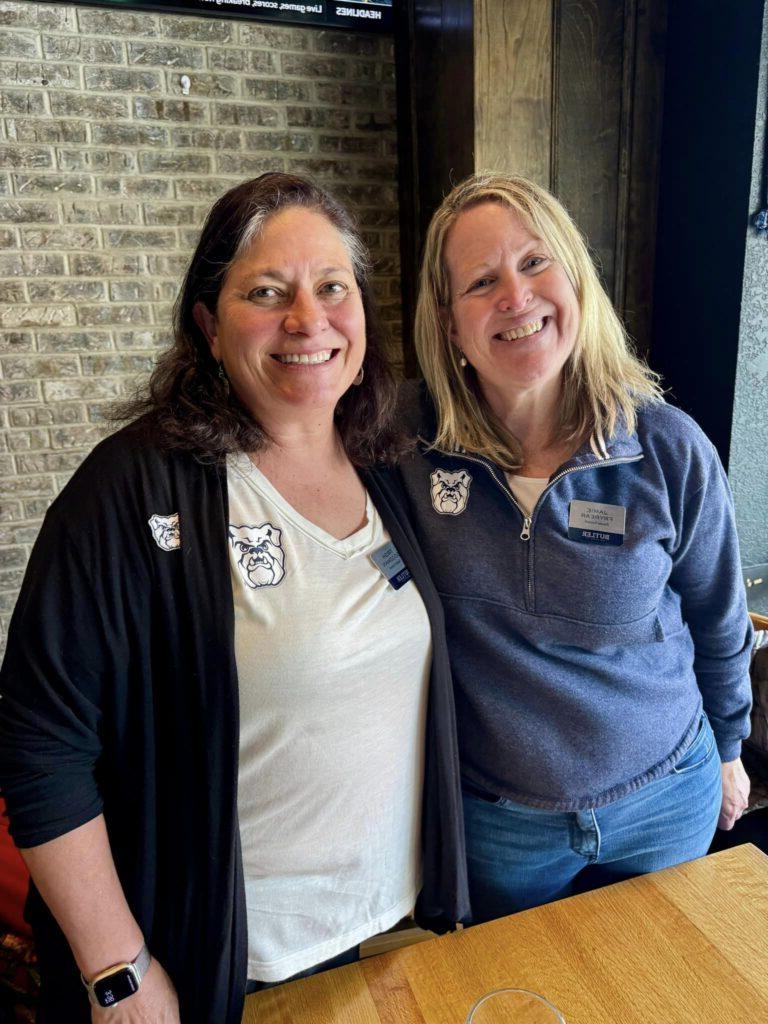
(188,406)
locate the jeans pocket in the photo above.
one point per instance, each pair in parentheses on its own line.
(700,750)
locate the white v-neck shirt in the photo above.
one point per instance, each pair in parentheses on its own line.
(333,668)
(527,490)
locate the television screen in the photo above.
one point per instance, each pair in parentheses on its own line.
(361,15)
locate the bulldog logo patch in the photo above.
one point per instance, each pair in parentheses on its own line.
(450,491)
(259,552)
(165,530)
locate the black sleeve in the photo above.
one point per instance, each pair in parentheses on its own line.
(444,898)
(67,653)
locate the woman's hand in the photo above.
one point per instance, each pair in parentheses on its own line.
(154,1003)
(735,793)
(76,876)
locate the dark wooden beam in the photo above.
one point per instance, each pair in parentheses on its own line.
(710,105)
(435,110)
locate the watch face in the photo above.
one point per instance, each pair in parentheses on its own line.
(115,987)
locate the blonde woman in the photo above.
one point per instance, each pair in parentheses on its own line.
(581,535)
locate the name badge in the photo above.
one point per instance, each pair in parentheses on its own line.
(391,566)
(590,523)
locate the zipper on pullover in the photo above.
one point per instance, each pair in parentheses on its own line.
(526,534)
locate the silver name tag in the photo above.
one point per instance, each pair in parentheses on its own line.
(592,523)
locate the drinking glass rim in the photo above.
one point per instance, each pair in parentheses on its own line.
(520,991)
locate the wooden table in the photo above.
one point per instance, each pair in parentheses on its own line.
(688,945)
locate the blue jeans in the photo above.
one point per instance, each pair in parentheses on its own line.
(520,857)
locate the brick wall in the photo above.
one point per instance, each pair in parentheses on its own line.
(106,173)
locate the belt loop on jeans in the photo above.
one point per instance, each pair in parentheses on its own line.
(597,830)
(587,834)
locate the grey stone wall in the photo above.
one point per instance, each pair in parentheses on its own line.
(748,464)
(106,173)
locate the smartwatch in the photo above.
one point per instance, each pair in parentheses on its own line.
(119,981)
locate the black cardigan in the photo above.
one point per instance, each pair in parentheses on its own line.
(120,696)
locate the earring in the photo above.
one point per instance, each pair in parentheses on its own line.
(223,378)
(462,360)
(359,377)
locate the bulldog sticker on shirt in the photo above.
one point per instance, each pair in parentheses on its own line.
(260,555)
(165,531)
(450,491)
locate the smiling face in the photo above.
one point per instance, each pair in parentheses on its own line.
(513,310)
(289,326)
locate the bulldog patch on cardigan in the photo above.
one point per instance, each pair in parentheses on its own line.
(166,531)
(450,491)
(260,555)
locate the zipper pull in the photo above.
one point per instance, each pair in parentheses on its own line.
(526,532)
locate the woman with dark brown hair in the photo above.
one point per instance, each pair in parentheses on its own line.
(227,654)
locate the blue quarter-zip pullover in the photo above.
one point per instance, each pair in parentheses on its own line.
(582,657)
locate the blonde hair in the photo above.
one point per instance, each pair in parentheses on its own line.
(604,382)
